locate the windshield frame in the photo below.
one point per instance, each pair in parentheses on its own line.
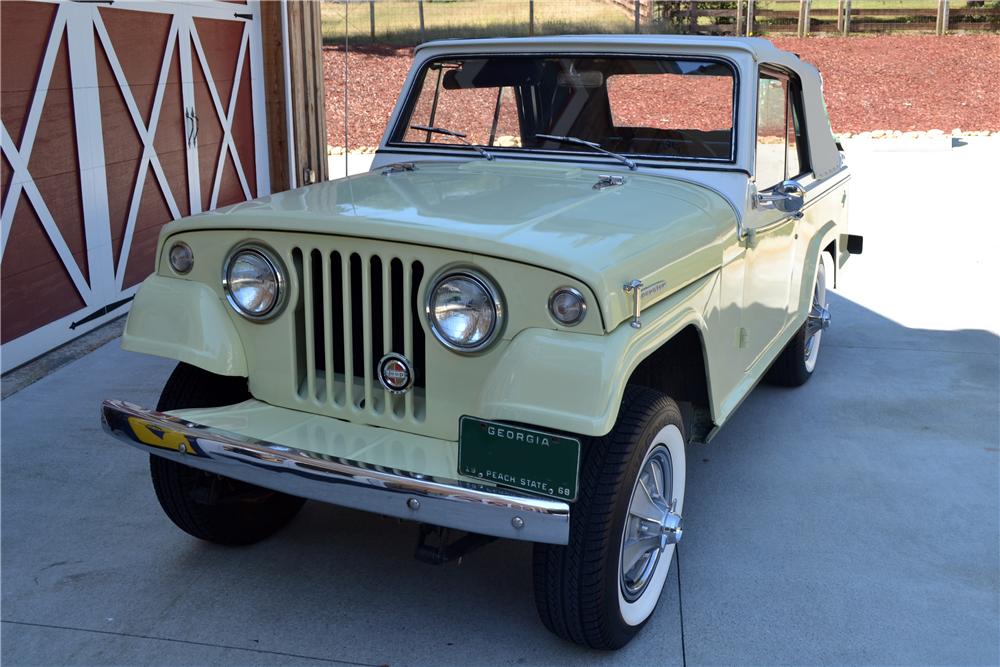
(400,122)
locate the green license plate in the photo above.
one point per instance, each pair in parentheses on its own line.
(538,462)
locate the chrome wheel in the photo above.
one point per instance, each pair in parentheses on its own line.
(651,525)
(818,320)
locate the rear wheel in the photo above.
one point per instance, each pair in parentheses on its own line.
(602,588)
(208,506)
(797,361)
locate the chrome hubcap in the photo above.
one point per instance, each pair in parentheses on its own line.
(652,524)
(817,321)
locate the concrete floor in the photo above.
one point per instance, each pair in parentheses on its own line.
(852,521)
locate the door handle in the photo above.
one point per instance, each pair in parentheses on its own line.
(194,139)
(188,126)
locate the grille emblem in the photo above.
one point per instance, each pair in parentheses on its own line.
(395,373)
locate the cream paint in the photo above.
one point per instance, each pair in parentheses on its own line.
(676,225)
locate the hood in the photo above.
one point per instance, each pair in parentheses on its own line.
(651,228)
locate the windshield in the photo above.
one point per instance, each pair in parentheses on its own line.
(660,107)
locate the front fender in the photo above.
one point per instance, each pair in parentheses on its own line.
(575,382)
(186,321)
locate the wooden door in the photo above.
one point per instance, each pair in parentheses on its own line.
(116,119)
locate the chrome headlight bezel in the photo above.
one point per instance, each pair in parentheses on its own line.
(566,289)
(172,260)
(495,297)
(276,266)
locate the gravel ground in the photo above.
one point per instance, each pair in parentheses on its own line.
(886,82)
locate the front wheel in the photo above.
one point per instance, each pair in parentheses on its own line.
(602,588)
(208,506)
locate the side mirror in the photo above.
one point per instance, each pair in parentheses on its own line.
(788,197)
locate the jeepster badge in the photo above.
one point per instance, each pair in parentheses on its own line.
(395,373)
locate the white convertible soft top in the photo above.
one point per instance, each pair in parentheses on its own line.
(746,52)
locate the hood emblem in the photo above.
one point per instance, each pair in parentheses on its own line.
(395,373)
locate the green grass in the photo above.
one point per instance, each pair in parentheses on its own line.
(397,22)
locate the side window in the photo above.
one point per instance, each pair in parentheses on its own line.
(792,166)
(772,104)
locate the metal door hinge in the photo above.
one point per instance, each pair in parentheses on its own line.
(608,181)
(397,167)
(741,338)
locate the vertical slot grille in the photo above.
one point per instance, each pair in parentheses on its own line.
(353,309)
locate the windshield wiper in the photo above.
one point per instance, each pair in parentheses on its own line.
(589,144)
(452,133)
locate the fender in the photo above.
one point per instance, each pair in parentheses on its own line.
(186,321)
(574,382)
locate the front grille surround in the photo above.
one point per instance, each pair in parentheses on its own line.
(353,307)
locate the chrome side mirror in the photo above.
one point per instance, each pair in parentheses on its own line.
(788,197)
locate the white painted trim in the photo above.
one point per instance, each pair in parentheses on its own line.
(50,336)
(225,117)
(30,125)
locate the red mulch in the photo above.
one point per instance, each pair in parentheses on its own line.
(885,82)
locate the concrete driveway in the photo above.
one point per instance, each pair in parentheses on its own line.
(852,521)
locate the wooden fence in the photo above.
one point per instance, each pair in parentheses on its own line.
(408,19)
(750,17)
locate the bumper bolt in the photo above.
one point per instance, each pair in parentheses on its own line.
(413,504)
(517,522)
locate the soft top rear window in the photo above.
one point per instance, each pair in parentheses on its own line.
(657,106)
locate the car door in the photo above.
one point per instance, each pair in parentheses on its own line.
(771,232)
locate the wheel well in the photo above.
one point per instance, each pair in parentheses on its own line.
(832,249)
(677,368)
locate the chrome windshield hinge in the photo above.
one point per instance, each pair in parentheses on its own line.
(396,167)
(634,287)
(608,181)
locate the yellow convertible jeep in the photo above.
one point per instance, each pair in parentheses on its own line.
(571,257)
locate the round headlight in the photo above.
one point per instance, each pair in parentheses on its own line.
(464,310)
(568,307)
(253,283)
(181,257)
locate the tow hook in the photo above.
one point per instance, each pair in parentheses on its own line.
(437,550)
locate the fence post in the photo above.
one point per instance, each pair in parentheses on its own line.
(750,17)
(693,16)
(947,16)
(840,15)
(804,8)
(739,18)
(371,18)
(531,17)
(847,18)
(420,6)
(942,17)
(638,15)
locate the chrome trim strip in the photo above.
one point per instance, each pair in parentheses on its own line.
(443,502)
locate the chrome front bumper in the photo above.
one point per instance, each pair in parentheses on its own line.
(397,493)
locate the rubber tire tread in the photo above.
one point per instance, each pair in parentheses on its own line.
(789,369)
(571,582)
(229,523)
